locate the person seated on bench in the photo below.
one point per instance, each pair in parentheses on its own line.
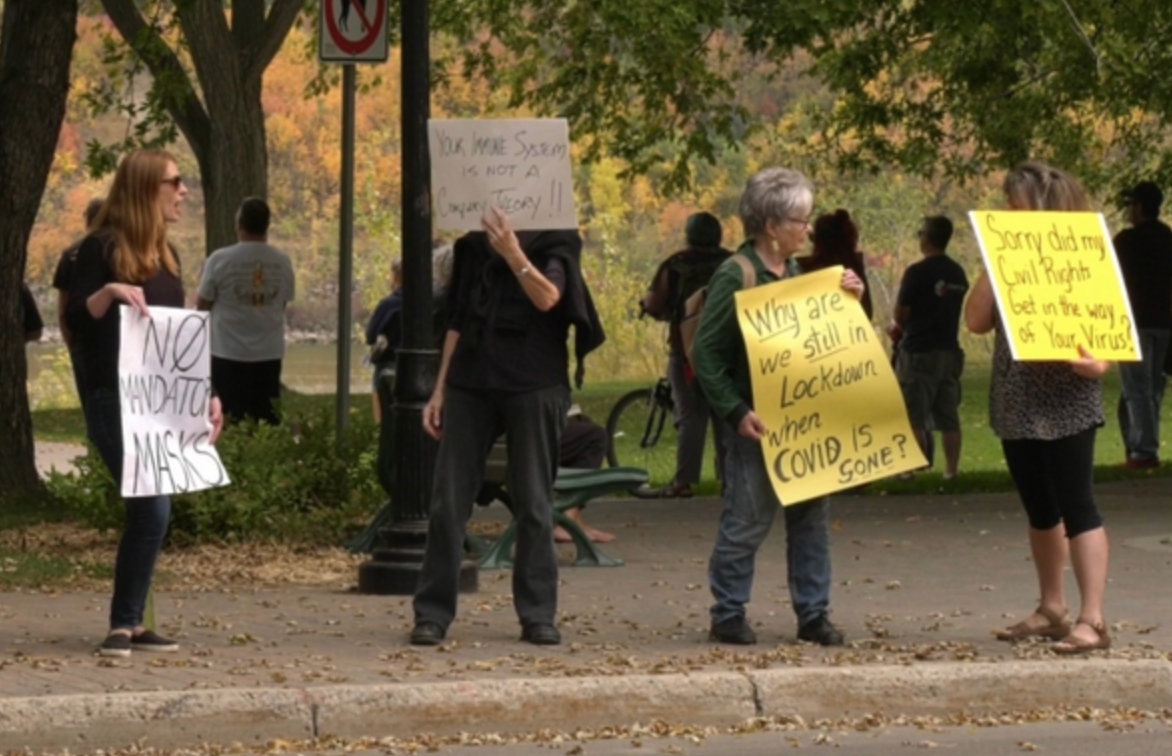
(582,447)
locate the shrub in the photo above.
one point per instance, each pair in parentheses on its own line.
(290,483)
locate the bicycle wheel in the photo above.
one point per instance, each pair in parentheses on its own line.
(642,434)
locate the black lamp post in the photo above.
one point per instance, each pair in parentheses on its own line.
(394,569)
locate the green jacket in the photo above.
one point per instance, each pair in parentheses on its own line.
(719,357)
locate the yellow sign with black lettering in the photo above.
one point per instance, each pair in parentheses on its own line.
(823,387)
(1057,283)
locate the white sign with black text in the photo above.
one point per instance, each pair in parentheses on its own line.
(520,166)
(165,385)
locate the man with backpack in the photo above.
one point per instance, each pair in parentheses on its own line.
(678,277)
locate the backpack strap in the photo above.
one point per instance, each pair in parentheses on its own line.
(748,272)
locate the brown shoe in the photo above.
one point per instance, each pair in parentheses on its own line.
(676,491)
(1057,626)
(1072,644)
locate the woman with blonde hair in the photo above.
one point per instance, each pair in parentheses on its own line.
(127,260)
(1046,415)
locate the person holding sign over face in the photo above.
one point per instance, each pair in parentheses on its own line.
(1046,415)
(127,260)
(775,211)
(513,298)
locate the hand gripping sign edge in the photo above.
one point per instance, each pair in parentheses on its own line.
(361,45)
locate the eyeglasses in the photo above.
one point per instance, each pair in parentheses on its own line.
(174,181)
(803,222)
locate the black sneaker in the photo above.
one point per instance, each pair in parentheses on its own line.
(116,644)
(821,631)
(735,631)
(147,640)
(427,634)
(540,634)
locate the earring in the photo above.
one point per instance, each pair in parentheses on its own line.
(774,245)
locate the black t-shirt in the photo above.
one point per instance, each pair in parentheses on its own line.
(98,340)
(1145,259)
(506,344)
(933,290)
(30,316)
(65,267)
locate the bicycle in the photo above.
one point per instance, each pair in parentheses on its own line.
(639,421)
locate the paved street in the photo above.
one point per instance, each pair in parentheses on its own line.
(920,584)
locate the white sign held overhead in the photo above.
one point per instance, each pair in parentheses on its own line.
(165,388)
(520,166)
(353,31)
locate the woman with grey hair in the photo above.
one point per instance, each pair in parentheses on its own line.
(775,211)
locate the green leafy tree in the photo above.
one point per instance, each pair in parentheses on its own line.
(207,69)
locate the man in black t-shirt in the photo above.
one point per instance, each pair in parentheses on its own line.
(930,360)
(1145,259)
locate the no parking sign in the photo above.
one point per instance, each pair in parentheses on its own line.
(353,31)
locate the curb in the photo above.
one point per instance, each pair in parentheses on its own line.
(189,718)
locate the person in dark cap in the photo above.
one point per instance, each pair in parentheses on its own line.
(678,277)
(1145,258)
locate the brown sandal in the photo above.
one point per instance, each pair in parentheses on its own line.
(1073,645)
(1058,626)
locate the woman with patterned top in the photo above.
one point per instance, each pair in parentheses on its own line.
(1046,415)
(127,260)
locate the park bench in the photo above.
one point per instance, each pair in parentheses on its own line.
(572,488)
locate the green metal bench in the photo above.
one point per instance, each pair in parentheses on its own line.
(572,488)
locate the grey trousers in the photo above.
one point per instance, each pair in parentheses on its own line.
(532,423)
(691,416)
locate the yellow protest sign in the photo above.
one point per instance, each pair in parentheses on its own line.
(1057,284)
(823,387)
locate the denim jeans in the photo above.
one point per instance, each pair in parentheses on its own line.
(532,423)
(146,516)
(1142,385)
(749,507)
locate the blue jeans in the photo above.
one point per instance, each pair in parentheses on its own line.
(146,516)
(747,515)
(1142,385)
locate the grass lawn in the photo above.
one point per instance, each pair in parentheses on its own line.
(982,467)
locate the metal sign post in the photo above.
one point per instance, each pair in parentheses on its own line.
(352,31)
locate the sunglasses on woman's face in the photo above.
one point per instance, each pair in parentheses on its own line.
(174,181)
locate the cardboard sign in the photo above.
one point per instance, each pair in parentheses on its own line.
(824,388)
(1057,283)
(520,166)
(164,380)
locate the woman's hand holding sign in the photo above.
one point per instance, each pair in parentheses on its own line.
(851,282)
(216,418)
(1087,366)
(751,427)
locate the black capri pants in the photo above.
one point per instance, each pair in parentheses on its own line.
(1054,480)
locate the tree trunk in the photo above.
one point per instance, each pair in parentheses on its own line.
(234,164)
(226,129)
(36,48)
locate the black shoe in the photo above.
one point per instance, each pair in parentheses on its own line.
(147,640)
(821,631)
(116,645)
(427,634)
(540,634)
(735,631)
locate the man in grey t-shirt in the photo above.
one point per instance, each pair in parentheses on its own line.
(246,287)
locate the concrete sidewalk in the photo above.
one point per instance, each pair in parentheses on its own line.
(920,583)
